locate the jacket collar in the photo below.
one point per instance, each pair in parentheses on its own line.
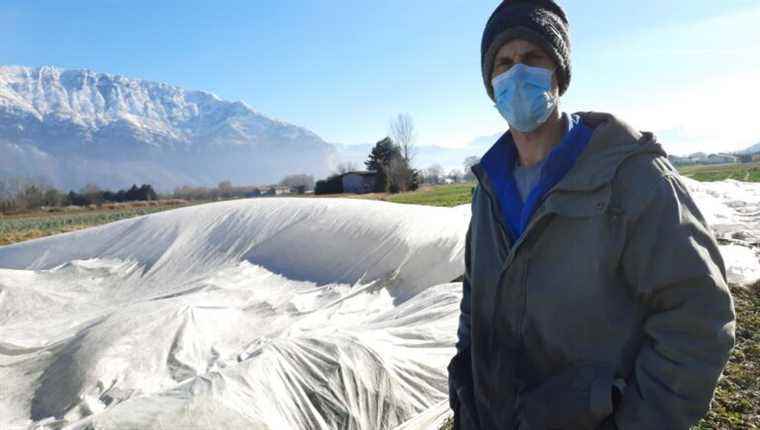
(612,142)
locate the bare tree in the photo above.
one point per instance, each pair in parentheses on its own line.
(10,187)
(225,186)
(346,167)
(435,174)
(468,163)
(455,175)
(399,175)
(299,182)
(403,135)
(33,196)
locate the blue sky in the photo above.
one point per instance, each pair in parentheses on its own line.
(688,69)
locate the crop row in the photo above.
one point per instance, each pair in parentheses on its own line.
(59,222)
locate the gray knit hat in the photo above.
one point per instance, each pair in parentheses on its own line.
(542,22)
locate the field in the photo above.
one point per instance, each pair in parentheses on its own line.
(18,228)
(442,195)
(737,397)
(430,195)
(749,172)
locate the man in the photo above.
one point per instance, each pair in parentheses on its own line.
(594,296)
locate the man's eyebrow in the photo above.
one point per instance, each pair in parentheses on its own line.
(527,53)
(534,51)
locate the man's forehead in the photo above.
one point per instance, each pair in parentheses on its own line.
(517,47)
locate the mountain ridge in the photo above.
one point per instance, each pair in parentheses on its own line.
(52,119)
(754,149)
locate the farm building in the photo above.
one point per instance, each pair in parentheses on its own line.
(358,182)
(722,159)
(276,191)
(745,158)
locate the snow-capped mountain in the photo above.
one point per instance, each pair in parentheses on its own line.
(74,127)
(754,149)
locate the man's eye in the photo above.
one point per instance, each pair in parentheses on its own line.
(504,66)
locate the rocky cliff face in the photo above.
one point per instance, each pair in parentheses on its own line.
(74,127)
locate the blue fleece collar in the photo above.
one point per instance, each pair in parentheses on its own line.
(499,162)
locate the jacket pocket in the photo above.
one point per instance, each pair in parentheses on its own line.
(459,376)
(575,205)
(580,398)
(600,393)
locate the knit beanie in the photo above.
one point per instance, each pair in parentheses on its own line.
(542,22)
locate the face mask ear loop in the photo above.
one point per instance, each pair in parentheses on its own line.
(556,98)
(498,78)
(501,76)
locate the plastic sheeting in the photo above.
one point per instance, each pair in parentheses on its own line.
(732,209)
(260,314)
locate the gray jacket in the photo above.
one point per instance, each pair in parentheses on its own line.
(616,282)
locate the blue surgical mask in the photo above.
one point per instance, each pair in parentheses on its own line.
(524,96)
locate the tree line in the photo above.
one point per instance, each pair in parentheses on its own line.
(435,174)
(20,194)
(28,194)
(295,183)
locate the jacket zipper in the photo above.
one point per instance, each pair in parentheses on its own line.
(526,233)
(518,385)
(513,248)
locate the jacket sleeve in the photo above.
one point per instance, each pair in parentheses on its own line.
(459,367)
(463,331)
(673,264)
